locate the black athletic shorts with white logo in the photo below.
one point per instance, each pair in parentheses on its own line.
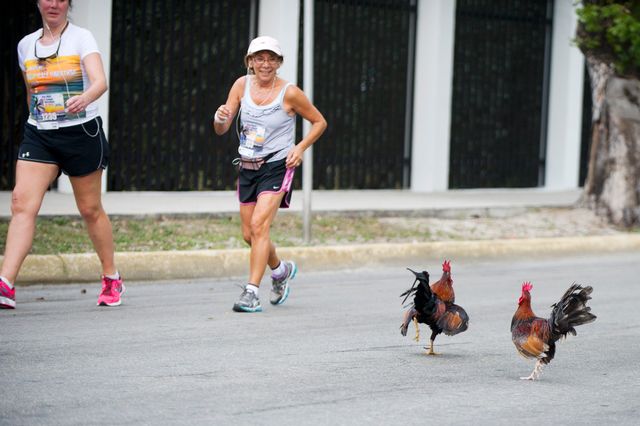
(273,177)
(74,149)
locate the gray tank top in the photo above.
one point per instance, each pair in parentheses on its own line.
(265,129)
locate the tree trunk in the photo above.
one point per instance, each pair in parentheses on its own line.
(612,187)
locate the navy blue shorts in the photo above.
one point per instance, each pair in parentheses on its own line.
(74,149)
(273,177)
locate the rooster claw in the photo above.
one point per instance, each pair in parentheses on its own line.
(431,351)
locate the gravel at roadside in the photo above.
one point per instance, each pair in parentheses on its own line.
(525,223)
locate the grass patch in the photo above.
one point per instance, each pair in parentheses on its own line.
(160,233)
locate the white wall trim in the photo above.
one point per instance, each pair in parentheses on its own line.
(279,19)
(432,96)
(562,169)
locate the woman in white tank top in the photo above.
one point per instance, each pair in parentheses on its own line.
(268,156)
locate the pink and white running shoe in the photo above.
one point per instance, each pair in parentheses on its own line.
(111,292)
(7,296)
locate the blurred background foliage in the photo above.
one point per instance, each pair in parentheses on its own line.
(610,31)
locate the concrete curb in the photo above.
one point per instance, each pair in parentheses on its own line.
(139,266)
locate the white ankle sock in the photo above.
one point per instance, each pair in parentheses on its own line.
(252,288)
(115,276)
(279,271)
(6,281)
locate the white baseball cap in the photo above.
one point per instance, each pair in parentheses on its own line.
(264,43)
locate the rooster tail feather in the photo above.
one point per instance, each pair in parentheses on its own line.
(454,320)
(422,278)
(407,318)
(409,292)
(571,311)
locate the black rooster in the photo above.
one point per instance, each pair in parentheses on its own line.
(433,305)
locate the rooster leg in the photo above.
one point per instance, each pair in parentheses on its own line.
(539,366)
(415,323)
(431,351)
(535,374)
(432,339)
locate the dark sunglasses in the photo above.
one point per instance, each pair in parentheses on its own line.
(54,54)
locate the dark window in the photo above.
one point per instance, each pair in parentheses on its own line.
(22,21)
(500,89)
(172,65)
(363,56)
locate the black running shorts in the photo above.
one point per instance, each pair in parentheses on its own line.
(273,177)
(74,149)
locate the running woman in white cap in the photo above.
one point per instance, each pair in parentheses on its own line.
(268,157)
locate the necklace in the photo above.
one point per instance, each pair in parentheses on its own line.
(268,95)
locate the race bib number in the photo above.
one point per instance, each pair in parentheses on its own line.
(48,106)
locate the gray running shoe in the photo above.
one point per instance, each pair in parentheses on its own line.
(248,302)
(280,289)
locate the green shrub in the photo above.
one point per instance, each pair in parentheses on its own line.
(610,31)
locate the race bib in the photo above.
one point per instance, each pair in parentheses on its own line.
(48,106)
(252,139)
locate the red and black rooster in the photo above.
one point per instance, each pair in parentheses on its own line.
(433,305)
(536,337)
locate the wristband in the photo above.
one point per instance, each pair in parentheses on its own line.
(217,119)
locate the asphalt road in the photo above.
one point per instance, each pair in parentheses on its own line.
(175,353)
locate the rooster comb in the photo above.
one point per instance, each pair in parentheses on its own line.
(446,266)
(527,286)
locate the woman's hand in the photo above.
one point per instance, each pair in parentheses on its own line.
(222,114)
(77,104)
(294,157)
